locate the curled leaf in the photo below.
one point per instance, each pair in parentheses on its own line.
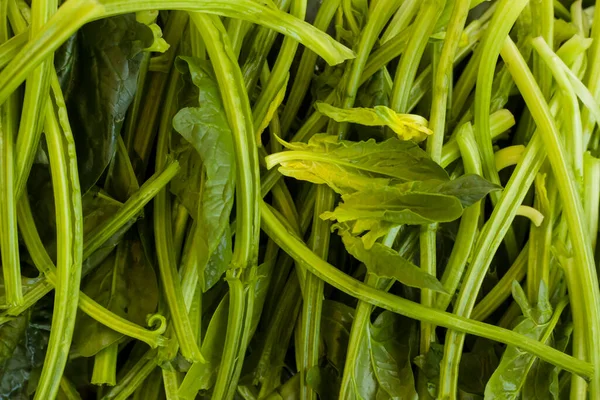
(406,126)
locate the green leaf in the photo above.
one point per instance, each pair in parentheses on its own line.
(110,54)
(148,18)
(126,284)
(11,333)
(387,263)
(206,128)
(383,366)
(509,378)
(336,322)
(218,262)
(406,126)
(351,166)
(202,376)
(324,380)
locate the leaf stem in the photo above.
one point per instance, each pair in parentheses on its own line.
(9,242)
(245,255)
(333,276)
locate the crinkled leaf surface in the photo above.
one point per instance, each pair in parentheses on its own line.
(105,82)
(348,166)
(406,126)
(207,130)
(126,284)
(387,263)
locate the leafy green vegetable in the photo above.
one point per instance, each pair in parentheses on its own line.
(406,126)
(109,57)
(206,128)
(350,166)
(116,239)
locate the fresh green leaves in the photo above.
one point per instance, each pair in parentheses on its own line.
(383,369)
(387,263)
(406,126)
(125,284)
(350,166)
(376,210)
(212,169)
(109,56)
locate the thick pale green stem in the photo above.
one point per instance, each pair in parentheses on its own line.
(572,204)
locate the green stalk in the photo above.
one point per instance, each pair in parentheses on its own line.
(504,18)
(572,205)
(591,201)
(503,288)
(333,276)
(592,73)
(486,246)
(44,264)
(10,48)
(170,383)
(306,67)
(134,377)
(542,18)
(281,68)
(163,233)
(441,87)
(237,108)
(257,55)
(36,93)
(73,14)
(422,28)
(310,323)
(573,136)
(140,140)
(105,366)
(69,231)
(9,242)
(401,20)
(469,223)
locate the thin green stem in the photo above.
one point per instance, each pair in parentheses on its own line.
(306,67)
(44,264)
(245,255)
(36,94)
(485,248)
(105,366)
(502,291)
(134,377)
(163,233)
(333,276)
(469,223)
(591,200)
(9,242)
(422,28)
(69,231)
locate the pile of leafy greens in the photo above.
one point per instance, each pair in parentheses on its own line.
(299,199)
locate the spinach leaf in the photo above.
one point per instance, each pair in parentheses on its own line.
(383,367)
(206,128)
(202,376)
(406,126)
(336,322)
(125,284)
(387,263)
(509,378)
(348,166)
(110,54)
(324,380)
(11,333)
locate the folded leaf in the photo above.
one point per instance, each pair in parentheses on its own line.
(348,166)
(206,128)
(406,126)
(387,263)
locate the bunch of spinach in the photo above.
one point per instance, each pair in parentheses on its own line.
(281,199)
